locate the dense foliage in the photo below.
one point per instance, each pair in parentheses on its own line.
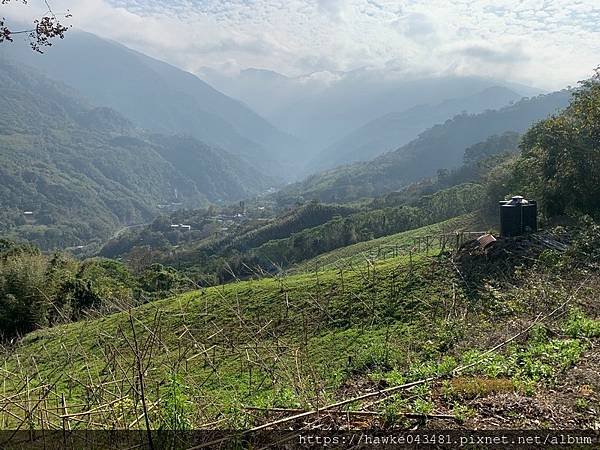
(560,161)
(307,216)
(38,290)
(494,145)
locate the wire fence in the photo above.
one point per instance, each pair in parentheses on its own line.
(428,243)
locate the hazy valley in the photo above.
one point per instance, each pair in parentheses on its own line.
(247,250)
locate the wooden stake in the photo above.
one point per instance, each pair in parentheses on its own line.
(65,418)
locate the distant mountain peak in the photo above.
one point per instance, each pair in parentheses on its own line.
(256,72)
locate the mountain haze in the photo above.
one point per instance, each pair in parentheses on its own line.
(83,171)
(159,97)
(323,107)
(396,129)
(441,146)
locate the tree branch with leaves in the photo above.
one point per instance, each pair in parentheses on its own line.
(44,30)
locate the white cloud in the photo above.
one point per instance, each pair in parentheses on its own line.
(547,43)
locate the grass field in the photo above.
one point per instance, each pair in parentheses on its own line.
(399,243)
(248,343)
(204,358)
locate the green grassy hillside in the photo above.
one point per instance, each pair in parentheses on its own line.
(308,340)
(391,246)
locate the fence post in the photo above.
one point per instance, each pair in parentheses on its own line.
(66,424)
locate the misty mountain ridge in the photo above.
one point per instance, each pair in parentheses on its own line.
(396,129)
(160,97)
(323,107)
(82,170)
(316,110)
(441,146)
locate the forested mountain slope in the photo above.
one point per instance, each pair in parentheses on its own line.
(82,171)
(441,146)
(158,96)
(393,130)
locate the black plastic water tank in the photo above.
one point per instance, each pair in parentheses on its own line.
(517,216)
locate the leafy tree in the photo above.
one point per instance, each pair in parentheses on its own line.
(161,223)
(500,183)
(560,162)
(38,290)
(157,278)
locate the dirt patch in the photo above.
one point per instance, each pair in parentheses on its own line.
(358,385)
(573,402)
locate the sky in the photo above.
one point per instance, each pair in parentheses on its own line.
(544,43)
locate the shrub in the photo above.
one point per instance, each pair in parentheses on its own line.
(23,299)
(580,326)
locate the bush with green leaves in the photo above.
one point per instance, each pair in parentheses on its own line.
(560,161)
(24,297)
(176,408)
(38,290)
(578,325)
